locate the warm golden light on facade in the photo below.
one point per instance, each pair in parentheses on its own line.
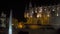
(31,20)
(41,15)
(44,20)
(34,26)
(26,15)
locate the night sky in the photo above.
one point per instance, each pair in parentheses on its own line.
(19,7)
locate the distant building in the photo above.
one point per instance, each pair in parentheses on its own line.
(44,15)
(35,14)
(3,20)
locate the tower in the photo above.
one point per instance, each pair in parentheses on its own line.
(30,10)
(3,19)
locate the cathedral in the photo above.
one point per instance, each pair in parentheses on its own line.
(42,15)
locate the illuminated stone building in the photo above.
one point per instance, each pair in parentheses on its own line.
(41,15)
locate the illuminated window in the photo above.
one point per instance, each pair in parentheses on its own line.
(37,15)
(40,15)
(35,10)
(27,14)
(48,15)
(40,9)
(53,10)
(32,12)
(57,14)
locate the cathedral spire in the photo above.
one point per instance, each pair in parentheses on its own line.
(30,4)
(26,7)
(34,4)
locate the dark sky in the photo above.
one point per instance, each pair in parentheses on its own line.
(18,7)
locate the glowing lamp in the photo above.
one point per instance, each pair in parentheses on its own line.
(20,25)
